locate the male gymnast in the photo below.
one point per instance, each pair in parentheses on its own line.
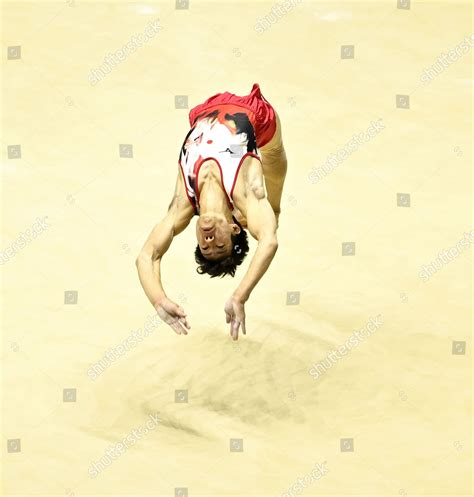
(232,167)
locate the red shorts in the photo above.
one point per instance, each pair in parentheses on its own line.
(260,113)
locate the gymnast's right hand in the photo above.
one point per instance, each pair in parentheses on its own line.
(173,314)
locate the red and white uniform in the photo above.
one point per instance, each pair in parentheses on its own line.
(226,128)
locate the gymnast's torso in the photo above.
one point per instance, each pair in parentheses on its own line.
(222,137)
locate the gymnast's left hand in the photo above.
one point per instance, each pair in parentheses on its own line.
(235,315)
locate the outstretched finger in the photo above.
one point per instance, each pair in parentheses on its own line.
(176,328)
(235,329)
(244,331)
(184,321)
(182,328)
(179,327)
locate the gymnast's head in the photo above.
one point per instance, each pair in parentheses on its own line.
(222,245)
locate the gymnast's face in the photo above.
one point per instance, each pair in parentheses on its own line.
(213,233)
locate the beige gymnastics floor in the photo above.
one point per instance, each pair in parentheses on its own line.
(390,417)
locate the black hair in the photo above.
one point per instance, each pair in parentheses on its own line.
(228,265)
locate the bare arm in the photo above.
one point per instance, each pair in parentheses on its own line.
(148,261)
(262,225)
